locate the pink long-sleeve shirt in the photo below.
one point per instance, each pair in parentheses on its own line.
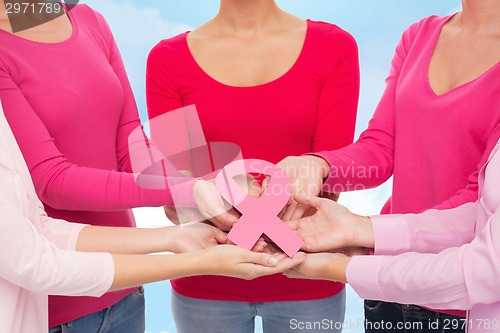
(35,250)
(71,109)
(441,259)
(433,145)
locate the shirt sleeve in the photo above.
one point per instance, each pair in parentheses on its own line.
(338,100)
(429,232)
(129,120)
(162,97)
(375,147)
(29,260)
(457,278)
(65,185)
(161,92)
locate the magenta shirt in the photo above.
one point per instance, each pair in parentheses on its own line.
(433,145)
(71,109)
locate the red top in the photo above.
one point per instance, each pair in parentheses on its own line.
(312,107)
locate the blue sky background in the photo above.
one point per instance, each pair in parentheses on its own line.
(377,26)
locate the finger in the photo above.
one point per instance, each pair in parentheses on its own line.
(171,214)
(265,183)
(292,224)
(288,263)
(281,256)
(299,212)
(259,246)
(309,201)
(262,259)
(220,236)
(224,221)
(293,274)
(255,191)
(271,249)
(289,211)
(282,212)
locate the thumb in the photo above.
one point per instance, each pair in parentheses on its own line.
(292,224)
(308,201)
(220,236)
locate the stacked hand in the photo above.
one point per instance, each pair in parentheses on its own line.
(306,174)
(210,206)
(332,228)
(233,261)
(331,233)
(335,232)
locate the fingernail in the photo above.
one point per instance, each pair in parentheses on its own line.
(273,261)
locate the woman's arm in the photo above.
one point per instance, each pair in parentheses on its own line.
(225,260)
(457,278)
(28,259)
(371,156)
(334,227)
(60,183)
(430,232)
(470,192)
(337,109)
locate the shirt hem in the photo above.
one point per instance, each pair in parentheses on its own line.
(257,299)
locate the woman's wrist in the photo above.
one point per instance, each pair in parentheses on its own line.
(170,238)
(319,164)
(362,232)
(338,268)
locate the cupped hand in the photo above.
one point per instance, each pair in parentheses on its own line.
(233,261)
(321,266)
(183,215)
(196,236)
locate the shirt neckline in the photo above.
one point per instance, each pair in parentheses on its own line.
(430,53)
(68,40)
(277,79)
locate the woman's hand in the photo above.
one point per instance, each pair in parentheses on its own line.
(233,261)
(332,227)
(321,266)
(195,236)
(183,215)
(214,208)
(306,174)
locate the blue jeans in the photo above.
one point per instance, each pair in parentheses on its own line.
(383,317)
(193,315)
(126,316)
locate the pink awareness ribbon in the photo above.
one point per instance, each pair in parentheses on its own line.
(259,216)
